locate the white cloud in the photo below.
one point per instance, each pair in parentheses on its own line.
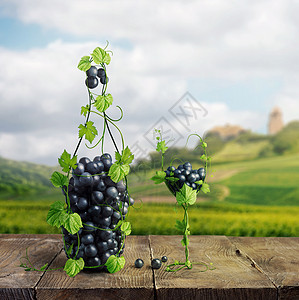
(169,43)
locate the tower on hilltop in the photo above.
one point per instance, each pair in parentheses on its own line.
(275,121)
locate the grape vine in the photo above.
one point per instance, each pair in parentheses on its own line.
(185,184)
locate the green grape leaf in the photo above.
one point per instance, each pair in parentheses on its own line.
(171,179)
(73,266)
(72,223)
(66,162)
(117,156)
(159,177)
(84,110)
(88,130)
(118,171)
(115,264)
(205,188)
(126,228)
(127,156)
(186,195)
(100,56)
(119,223)
(180,225)
(56,214)
(161,146)
(58,179)
(84,63)
(103,102)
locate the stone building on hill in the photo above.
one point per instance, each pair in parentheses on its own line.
(228,131)
(275,121)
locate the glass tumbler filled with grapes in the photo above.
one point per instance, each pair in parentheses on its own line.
(93,216)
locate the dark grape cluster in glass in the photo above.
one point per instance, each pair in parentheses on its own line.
(93,73)
(101,203)
(184,174)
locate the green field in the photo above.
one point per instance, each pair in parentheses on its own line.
(249,198)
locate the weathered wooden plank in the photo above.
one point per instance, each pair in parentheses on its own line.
(15,282)
(233,278)
(129,283)
(277,257)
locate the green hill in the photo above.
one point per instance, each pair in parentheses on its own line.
(19,177)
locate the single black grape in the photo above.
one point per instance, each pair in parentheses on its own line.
(191,178)
(107,211)
(186,172)
(83,215)
(73,199)
(82,203)
(131,202)
(111,192)
(79,169)
(106,156)
(164,258)
(92,167)
(105,257)
(202,173)
(91,250)
(94,262)
(156,263)
(101,73)
(110,243)
(107,164)
(97,197)
(187,166)
(85,179)
(106,222)
(94,210)
(104,80)
(92,71)
(176,173)
(84,160)
(92,82)
(105,235)
(102,246)
(87,239)
(139,263)
(100,166)
(89,226)
(171,168)
(101,186)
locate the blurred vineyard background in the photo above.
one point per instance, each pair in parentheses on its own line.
(254,190)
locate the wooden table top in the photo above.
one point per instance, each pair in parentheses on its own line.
(245,268)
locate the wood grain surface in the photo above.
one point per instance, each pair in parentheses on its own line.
(129,283)
(277,258)
(246,268)
(233,278)
(15,282)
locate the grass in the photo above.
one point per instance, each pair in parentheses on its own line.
(155,218)
(262,200)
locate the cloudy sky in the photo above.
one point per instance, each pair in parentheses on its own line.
(232,61)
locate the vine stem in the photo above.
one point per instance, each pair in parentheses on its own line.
(186,221)
(110,133)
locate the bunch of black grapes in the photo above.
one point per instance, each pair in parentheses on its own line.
(184,174)
(101,203)
(93,73)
